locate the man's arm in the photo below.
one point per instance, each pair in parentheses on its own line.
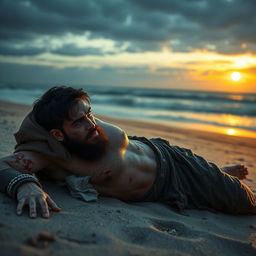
(15,177)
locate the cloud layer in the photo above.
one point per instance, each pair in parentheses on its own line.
(75,28)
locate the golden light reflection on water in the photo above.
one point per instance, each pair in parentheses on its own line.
(236,97)
(227,124)
(231,131)
(212,128)
(228,131)
(230,120)
(235,132)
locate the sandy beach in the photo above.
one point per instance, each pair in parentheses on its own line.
(113,227)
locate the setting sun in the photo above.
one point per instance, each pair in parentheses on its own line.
(236,76)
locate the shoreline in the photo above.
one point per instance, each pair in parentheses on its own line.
(175,126)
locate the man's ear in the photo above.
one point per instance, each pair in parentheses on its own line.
(57,134)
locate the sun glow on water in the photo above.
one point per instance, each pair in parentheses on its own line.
(231,131)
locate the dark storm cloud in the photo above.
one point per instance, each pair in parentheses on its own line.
(219,25)
(72,50)
(23,51)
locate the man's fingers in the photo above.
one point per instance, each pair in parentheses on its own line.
(44,207)
(32,195)
(20,206)
(52,204)
(32,207)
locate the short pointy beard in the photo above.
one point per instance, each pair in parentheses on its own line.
(90,151)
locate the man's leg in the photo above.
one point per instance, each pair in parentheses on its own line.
(239,171)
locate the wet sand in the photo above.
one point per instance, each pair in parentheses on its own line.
(113,227)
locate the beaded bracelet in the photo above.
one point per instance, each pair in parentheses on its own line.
(18,181)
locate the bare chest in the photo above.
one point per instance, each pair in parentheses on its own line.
(126,171)
(134,178)
(112,161)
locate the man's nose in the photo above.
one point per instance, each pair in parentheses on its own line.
(90,124)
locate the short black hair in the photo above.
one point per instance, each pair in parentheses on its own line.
(53,107)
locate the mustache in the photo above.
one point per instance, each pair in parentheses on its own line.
(92,130)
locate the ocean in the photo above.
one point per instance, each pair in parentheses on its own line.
(229,113)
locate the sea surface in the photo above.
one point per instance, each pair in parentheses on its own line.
(229,113)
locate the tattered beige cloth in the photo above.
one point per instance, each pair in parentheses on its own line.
(33,137)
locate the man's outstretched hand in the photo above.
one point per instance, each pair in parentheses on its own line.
(32,195)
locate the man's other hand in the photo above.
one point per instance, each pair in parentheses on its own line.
(32,195)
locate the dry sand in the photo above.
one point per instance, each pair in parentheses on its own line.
(113,227)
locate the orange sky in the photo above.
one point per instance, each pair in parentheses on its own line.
(174,44)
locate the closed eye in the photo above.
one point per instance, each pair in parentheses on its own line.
(88,114)
(79,121)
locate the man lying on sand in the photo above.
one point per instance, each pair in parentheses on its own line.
(61,137)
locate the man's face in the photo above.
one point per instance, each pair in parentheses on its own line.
(82,136)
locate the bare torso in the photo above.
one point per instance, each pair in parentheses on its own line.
(126,171)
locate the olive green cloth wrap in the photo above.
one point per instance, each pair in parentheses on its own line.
(186,180)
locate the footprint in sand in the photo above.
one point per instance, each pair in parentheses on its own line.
(164,235)
(173,228)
